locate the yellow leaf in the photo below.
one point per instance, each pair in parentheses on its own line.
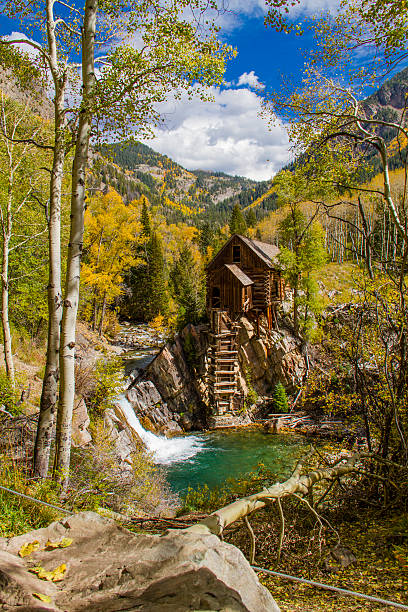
(44,598)
(54,575)
(61,544)
(28,548)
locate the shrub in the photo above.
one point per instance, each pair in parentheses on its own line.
(111,325)
(98,478)
(18,514)
(8,396)
(100,384)
(280,399)
(252,395)
(204,499)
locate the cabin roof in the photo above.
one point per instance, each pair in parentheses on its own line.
(239,274)
(266,252)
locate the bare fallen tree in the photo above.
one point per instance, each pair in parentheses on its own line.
(299,485)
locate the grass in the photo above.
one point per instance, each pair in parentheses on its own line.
(18,515)
(338,278)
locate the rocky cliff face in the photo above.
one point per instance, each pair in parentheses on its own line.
(269,358)
(34,99)
(171,395)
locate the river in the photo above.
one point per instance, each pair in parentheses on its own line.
(211,457)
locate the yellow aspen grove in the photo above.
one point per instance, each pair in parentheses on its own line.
(112,232)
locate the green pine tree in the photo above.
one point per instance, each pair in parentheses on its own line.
(206,237)
(188,288)
(280,399)
(157,298)
(250,218)
(237,222)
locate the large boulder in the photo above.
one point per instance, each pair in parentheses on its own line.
(178,373)
(110,568)
(172,392)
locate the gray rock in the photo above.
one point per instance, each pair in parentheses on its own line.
(343,555)
(110,568)
(80,424)
(17,585)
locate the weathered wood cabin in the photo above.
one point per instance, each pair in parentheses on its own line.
(242,278)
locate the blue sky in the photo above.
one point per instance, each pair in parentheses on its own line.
(228,134)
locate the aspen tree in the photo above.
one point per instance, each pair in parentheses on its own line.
(52,54)
(19,178)
(179,51)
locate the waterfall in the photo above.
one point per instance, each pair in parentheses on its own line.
(164,450)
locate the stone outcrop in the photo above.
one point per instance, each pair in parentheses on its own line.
(269,358)
(110,568)
(122,436)
(177,375)
(33,96)
(171,394)
(80,424)
(152,411)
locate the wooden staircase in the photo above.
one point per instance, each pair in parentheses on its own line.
(223,366)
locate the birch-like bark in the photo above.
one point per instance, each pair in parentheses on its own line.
(297,484)
(7,228)
(8,354)
(71,298)
(49,395)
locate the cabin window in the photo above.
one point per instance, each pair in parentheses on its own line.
(275,288)
(236,254)
(216,297)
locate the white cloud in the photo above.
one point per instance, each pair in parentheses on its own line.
(233,13)
(224,135)
(250,78)
(27,48)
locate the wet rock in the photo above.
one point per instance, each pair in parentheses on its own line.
(152,411)
(178,370)
(110,568)
(274,426)
(186,421)
(122,437)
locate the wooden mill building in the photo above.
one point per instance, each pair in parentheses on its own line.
(242,278)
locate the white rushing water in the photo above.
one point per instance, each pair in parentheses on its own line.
(164,450)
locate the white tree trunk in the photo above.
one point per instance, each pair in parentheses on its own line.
(8,354)
(71,298)
(297,484)
(49,395)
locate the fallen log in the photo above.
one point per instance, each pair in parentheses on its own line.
(296,485)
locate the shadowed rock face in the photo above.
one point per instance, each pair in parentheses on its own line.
(171,393)
(110,568)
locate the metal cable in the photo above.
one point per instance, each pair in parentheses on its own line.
(328,587)
(320,585)
(39,501)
